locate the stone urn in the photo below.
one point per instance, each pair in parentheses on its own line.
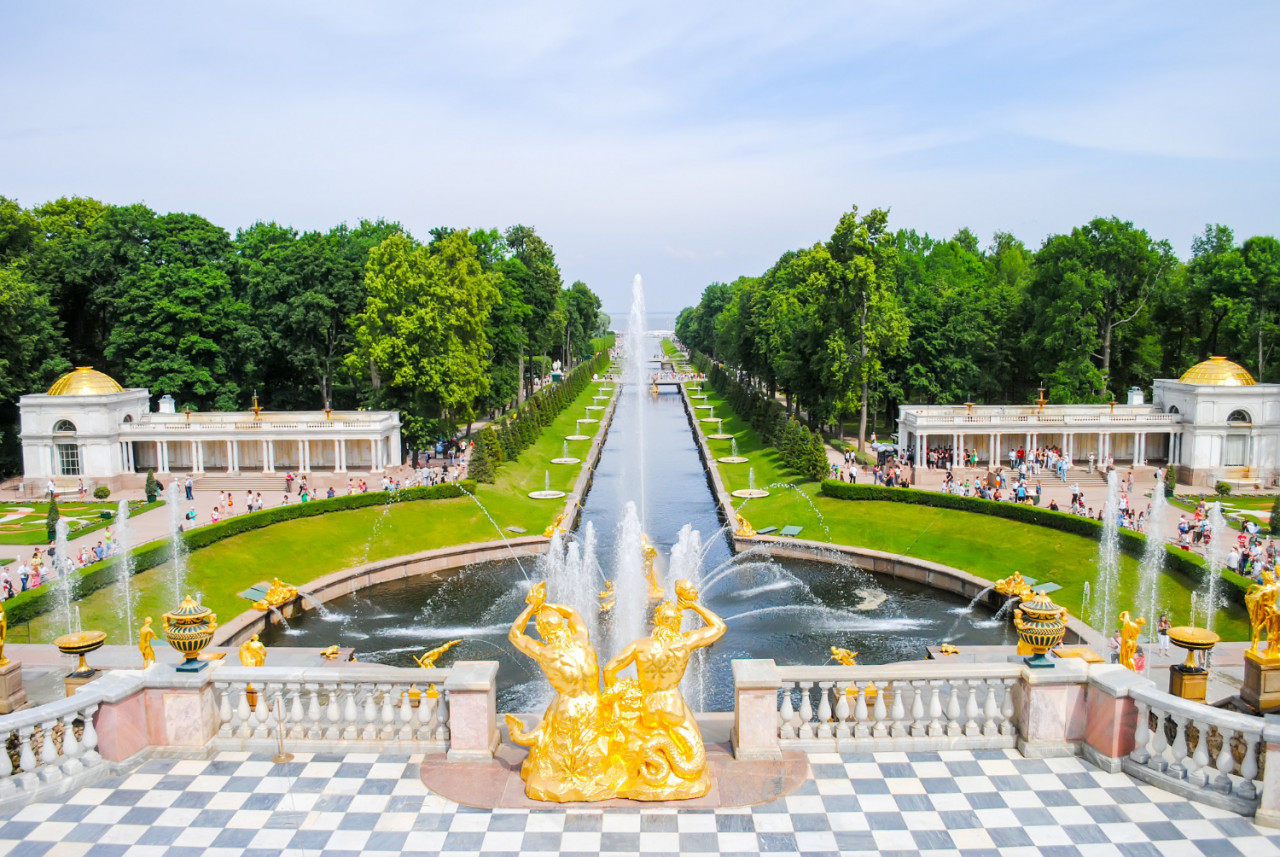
(189,629)
(81,643)
(1041,625)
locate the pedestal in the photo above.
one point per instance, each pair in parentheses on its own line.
(12,695)
(1261,687)
(1188,684)
(74,682)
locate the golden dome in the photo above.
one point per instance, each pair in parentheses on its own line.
(1218,372)
(85,381)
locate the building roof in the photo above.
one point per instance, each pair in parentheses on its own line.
(85,381)
(1218,372)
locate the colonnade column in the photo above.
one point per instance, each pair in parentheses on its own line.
(995,449)
(337,457)
(304,456)
(269,457)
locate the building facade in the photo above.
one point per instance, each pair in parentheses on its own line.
(89,427)
(1214,423)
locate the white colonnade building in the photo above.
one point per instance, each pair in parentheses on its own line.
(1214,423)
(89,427)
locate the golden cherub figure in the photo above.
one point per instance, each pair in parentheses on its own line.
(844,657)
(277,594)
(1129,630)
(745,529)
(948,649)
(1014,586)
(331,653)
(145,636)
(606,597)
(427,660)
(651,574)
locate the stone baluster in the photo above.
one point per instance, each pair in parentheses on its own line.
(387,715)
(26,756)
(1141,733)
(1159,747)
(919,726)
(1181,762)
(1247,787)
(70,746)
(1225,763)
(89,739)
(806,711)
(1200,773)
(265,711)
(898,712)
(786,714)
(315,715)
(370,714)
(297,713)
(426,725)
(879,714)
(935,709)
(333,714)
(48,750)
(225,730)
(824,710)
(442,717)
(243,712)
(350,715)
(971,726)
(862,729)
(954,726)
(408,729)
(990,709)
(1007,726)
(842,710)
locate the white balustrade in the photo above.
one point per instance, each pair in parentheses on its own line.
(332,708)
(897,707)
(1213,754)
(48,748)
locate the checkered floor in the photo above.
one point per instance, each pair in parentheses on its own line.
(965,803)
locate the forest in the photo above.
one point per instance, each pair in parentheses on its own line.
(444,329)
(874,317)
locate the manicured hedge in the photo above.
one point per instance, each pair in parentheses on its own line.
(1133,544)
(25,606)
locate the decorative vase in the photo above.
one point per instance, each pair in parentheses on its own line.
(1041,625)
(81,643)
(189,629)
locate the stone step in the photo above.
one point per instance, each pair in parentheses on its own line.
(243,482)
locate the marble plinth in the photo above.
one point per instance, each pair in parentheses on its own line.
(1261,687)
(75,682)
(12,695)
(1188,684)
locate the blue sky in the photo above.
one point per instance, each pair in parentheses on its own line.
(686,142)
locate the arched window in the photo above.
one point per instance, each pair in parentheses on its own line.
(1173,409)
(64,427)
(1238,417)
(128,418)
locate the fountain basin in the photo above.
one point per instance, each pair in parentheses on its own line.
(595,407)
(588,420)
(546,495)
(81,643)
(715,420)
(606,389)
(577,437)
(751,493)
(703,407)
(732,459)
(568,460)
(721,436)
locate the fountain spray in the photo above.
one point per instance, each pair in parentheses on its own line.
(1216,559)
(1108,558)
(178,553)
(65,582)
(124,569)
(1152,563)
(635,347)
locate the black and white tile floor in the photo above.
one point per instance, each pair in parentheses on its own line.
(957,803)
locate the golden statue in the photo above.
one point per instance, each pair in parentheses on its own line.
(1014,586)
(4,635)
(1129,630)
(844,657)
(659,739)
(569,755)
(651,554)
(145,636)
(606,597)
(278,594)
(331,653)
(556,526)
(253,653)
(1264,617)
(744,530)
(948,649)
(427,660)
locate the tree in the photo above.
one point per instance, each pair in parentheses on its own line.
(51,520)
(1262,264)
(422,330)
(481,466)
(1087,287)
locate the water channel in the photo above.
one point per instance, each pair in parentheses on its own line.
(789,610)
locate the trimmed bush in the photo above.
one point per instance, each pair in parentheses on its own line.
(102,492)
(1223,489)
(51,520)
(152,488)
(1133,544)
(25,606)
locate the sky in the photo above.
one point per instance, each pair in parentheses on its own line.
(687,142)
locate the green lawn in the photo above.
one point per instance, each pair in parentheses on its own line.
(27,521)
(989,547)
(301,550)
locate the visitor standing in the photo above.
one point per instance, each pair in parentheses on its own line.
(1162,633)
(188,485)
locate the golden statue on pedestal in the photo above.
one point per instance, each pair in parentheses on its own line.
(145,636)
(1014,586)
(745,530)
(1129,630)
(278,594)
(651,554)
(1264,616)
(638,739)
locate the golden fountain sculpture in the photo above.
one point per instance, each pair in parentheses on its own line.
(651,554)
(607,597)
(427,660)
(556,526)
(638,739)
(1129,630)
(1264,616)
(278,594)
(1014,586)
(745,530)
(145,647)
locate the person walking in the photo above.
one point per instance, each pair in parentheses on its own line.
(188,485)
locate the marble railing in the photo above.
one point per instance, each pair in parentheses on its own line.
(376,707)
(1204,753)
(48,744)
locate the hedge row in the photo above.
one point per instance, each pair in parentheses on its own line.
(25,606)
(1131,543)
